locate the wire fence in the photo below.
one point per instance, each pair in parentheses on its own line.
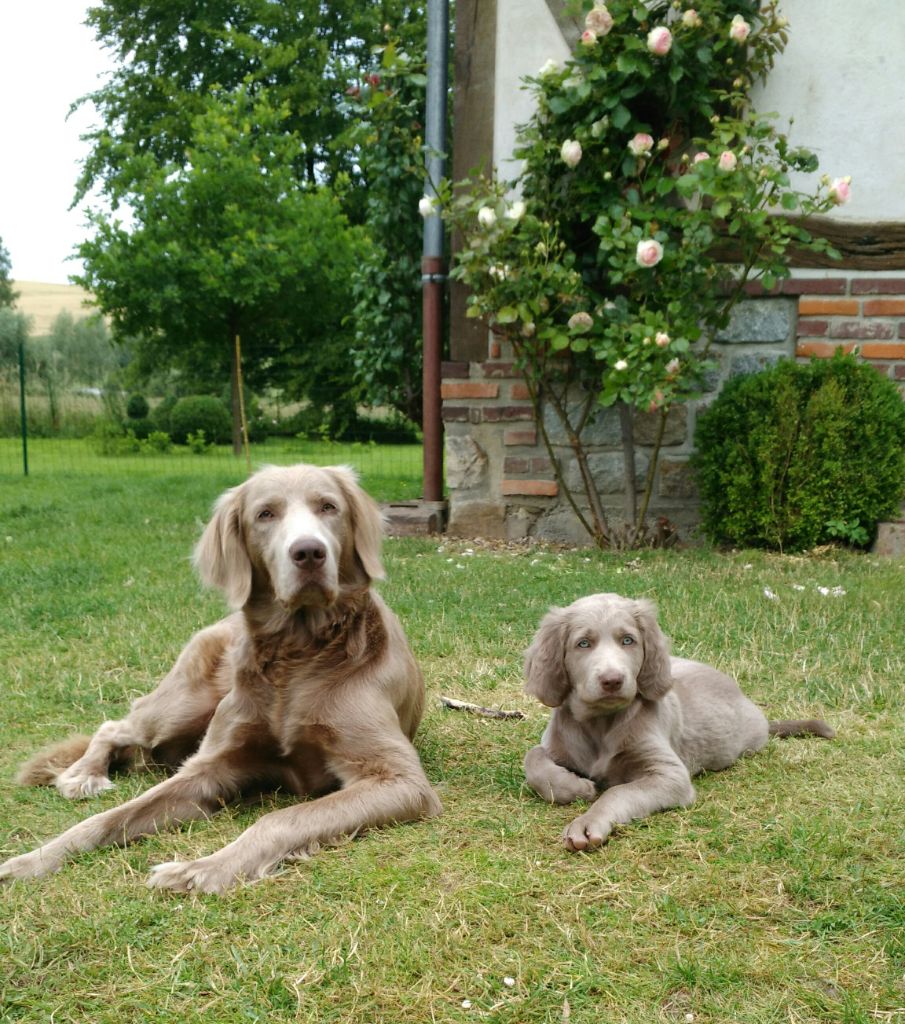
(74,432)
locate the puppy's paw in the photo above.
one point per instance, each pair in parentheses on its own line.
(586,832)
(79,785)
(203,875)
(567,788)
(28,865)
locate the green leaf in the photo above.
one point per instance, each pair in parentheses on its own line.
(507,315)
(620,116)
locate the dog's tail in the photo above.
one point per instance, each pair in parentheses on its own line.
(43,768)
(802,727)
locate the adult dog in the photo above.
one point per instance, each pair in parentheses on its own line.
(631,718)
(310,686)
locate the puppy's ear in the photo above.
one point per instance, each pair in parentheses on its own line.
(545,660)
(220,555)
(367,522)
(655,677)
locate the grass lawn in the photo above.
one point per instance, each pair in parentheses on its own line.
(777,897)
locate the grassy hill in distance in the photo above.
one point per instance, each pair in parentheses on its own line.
(44,302)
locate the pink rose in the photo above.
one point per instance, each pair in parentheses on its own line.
(588,38)
(728,160)
(672,367)
(641,144)
(571,152)
(662,339)
(659,41)
(701,157)
(599,20)
(648,253)
(739,29)
(840,190)
(581,322)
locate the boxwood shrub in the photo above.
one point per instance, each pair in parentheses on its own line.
(802,454)
(200,412)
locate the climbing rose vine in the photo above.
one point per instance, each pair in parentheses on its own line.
(651,192)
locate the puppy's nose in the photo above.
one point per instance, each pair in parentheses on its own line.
(308,553)
(609,682)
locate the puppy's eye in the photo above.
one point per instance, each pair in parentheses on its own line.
(328,506)
(264,514)
(583,642)
(627,641)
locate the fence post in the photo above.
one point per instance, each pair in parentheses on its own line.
(22,405)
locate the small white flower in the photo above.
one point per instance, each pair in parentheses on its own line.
(797,586)
(466,1004)
(515,211)
(823,590)
(620,364)
(769,595)
(549,67)
(838,592)
(427,206)
(509,982)
(570,152)
(486,217)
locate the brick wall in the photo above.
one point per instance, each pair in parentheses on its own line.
(500,477)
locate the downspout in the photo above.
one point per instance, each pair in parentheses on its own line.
(433,269)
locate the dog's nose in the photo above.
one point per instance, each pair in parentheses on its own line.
(609,682)
(308,553)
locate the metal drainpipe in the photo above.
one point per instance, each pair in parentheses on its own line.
(433,270)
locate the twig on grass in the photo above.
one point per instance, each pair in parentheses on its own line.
(477,709)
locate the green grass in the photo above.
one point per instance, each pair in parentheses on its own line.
(777,897)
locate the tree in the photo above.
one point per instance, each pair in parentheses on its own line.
(387,283)
(8,294)
(304,53)
(226,244)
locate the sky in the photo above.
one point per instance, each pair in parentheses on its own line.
(48,59)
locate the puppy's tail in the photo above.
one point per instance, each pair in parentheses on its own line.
(802,727)
(43,768)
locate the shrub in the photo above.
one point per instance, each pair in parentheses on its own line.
(137,407)
(141,428)
(198,443)
(200,412)
(158,441)
(160,414)
(801,454)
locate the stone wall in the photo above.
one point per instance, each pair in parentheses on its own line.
(500,478)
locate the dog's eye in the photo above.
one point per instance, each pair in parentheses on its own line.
(328,506)
(627,641)
(583,642)
(265,513)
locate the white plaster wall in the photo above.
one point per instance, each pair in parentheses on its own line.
(842,78)
(527,36)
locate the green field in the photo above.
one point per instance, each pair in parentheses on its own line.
(777,897)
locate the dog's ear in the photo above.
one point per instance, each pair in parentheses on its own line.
(545,660)
(655,677)
(367,522)
(220,555)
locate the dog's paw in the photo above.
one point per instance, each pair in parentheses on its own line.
(586,832)
(203,875)
(28,865)
(78,785)
(568,790)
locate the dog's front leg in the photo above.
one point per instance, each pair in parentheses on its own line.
(553,782)
(651,792)
(374,794)
(189,794)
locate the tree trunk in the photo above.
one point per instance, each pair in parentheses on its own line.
(235,407)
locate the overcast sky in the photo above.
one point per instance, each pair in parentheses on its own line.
(48,58)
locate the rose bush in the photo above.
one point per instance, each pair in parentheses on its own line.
(651,193)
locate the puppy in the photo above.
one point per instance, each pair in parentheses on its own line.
(630,718)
